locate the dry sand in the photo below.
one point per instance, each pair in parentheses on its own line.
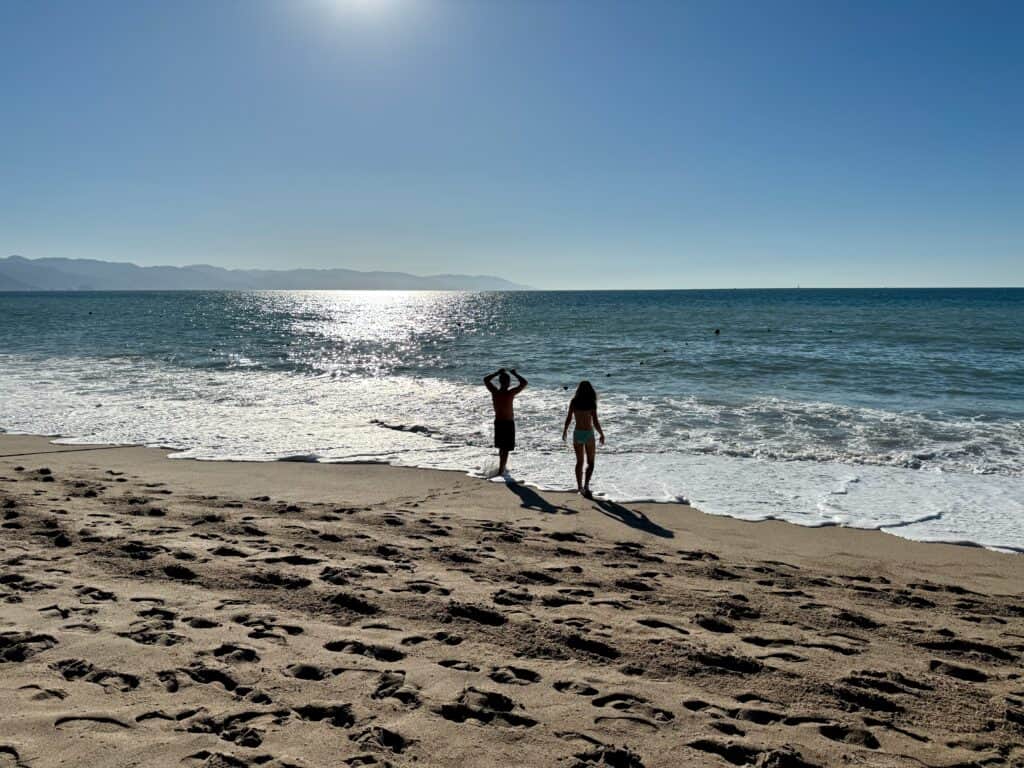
(177,613)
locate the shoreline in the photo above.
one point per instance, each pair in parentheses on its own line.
(857,542)
(168,450)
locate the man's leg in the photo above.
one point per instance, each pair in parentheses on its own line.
(502,460)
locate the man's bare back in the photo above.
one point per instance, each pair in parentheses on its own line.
(503,404)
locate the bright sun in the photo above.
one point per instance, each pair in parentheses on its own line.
(368,8)
(364,5)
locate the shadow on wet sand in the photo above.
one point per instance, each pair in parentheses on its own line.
(632,518)
(532,500)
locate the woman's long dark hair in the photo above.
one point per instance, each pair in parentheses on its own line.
(585,398)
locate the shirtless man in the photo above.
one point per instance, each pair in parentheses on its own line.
(504,416)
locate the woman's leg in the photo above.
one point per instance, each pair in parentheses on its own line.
(591,451)
(578,447)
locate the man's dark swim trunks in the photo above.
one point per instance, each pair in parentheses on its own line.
(505,434)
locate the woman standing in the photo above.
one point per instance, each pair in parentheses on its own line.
(583,407)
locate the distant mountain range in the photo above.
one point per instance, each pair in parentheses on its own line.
(21,274)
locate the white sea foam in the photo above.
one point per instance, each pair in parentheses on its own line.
(772,461)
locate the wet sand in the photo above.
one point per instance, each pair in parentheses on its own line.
(162,613)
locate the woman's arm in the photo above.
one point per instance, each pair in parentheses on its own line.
(568,421)
(597,425)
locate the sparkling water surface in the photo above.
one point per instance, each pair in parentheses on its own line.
(901,410)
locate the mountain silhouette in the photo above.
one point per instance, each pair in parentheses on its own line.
(20,274)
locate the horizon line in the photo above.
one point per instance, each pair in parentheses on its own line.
(528,289)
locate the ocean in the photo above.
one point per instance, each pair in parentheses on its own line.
(898,410)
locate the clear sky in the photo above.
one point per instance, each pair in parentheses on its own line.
(560,143)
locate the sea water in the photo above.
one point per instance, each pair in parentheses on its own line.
(899,410)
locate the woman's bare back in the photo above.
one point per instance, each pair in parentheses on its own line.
(584,419)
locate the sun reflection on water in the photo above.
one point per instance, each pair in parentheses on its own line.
(347,333)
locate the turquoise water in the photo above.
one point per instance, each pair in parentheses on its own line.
(892,409)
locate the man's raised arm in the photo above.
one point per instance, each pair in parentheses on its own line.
(489,380)
(521,385)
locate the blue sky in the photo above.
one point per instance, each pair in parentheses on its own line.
(561,143)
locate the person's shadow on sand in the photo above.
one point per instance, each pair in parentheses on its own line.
(533,500)
(632,518)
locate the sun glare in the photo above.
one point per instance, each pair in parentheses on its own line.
(387,20)
(363,6)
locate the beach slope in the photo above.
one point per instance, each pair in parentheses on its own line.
(161,613)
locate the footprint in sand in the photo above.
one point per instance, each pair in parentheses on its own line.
(660,624)
(512,597)
(423,588)
(10,757)
(79,669)
(205,675)
(378,738)
(92,723)
(461,666)
(38,693)
(153,632)
(18,646)
(592,647)
(576,687)
(860,737)
(266,627)
(246,729)
(91,595)
(637,708)
(335,714)
(514,675)
(713,624)
(161,715)
(477,613)
(14,584)
(485,708)
(235,654)
(307,671)
(208,759)
(358,648)
(744,754)
(278,580)
(612,757)
(354,604)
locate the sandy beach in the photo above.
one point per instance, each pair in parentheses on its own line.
(161,612)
